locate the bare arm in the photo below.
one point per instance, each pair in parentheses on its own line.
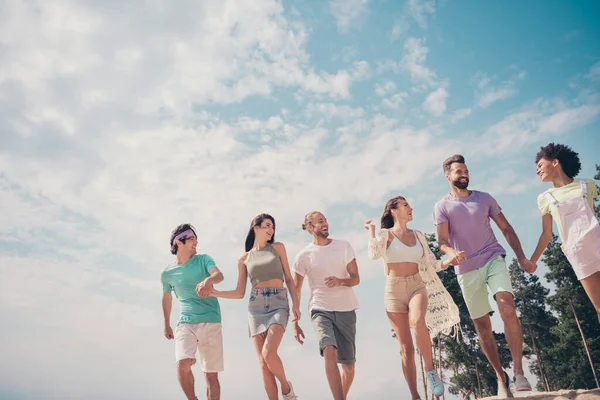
(545,238)
(352,268)
(455,257)
(216,276)
(240,290)
(510,235)
(298,333)
(289,281)
(167,304)
(513,240)
(298,281)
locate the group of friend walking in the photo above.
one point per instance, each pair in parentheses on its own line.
(414,295)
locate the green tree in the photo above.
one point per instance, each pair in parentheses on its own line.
(537,320)
(577,331)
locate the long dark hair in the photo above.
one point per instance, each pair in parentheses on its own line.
(387,220)
(257,221)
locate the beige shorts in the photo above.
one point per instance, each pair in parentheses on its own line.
(399,290)
(206,339)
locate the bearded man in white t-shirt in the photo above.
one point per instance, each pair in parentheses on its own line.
(331,268)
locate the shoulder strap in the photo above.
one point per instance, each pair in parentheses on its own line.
(551,199)
(584,187)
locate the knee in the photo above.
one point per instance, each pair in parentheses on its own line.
(184,366)
(507,311)
(330,352)
(212,379)
(408,350)
(268,356)
(418,322)
(348,369)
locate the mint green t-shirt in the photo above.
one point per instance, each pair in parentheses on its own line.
(183,279)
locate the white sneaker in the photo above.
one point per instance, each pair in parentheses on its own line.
(291,395)
(522,384)
(504,388)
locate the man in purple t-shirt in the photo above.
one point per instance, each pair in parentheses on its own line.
(465,235)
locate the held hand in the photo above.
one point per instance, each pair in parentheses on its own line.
(332,281)
(527,265)
(204,289)
(169,333)
(445,263)
(298,333)
(457,257)
(296,314)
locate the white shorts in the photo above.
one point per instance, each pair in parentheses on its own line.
(206,338)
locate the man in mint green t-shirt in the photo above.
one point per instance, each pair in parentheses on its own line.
(191,277)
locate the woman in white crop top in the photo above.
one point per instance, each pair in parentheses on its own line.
(414,295)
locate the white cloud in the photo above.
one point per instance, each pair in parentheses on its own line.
(347,13)
(534,123)
(460,114)
(488,93)
(419,10)
(383,89)
(491,96)
(413,62)
(435,102)
(594,73)
(400,28)
(415,10)
(331,110)
(395,101)
(569,119)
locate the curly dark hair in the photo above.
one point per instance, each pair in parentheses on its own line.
(568,159)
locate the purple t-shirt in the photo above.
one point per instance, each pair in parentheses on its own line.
(469,227)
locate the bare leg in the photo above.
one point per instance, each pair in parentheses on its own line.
(213,388)
(268,378)
(399,322)
(186,377)
(591,285)
(483,326)
(347,377)
(512,329)
(333,373)
(269,354)
(417,309)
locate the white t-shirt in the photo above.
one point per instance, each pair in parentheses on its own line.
(319,262)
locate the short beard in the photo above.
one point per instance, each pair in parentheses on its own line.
(461,185)
(322,235)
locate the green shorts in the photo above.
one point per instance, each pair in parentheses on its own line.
(474,286)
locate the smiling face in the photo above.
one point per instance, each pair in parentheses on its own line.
(458,175)
(318,226)
(403,211)
(265,231)
(188,244)
(547,170)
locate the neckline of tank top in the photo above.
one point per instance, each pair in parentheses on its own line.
(404,244)
(262,248)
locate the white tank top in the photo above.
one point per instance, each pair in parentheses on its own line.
(399,252)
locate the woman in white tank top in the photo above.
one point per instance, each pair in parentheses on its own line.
(414,295)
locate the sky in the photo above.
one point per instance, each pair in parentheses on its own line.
(120,120)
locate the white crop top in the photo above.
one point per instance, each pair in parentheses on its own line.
(399,252)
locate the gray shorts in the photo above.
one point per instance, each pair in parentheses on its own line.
(336,328)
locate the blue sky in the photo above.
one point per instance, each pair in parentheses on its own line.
(120,122)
